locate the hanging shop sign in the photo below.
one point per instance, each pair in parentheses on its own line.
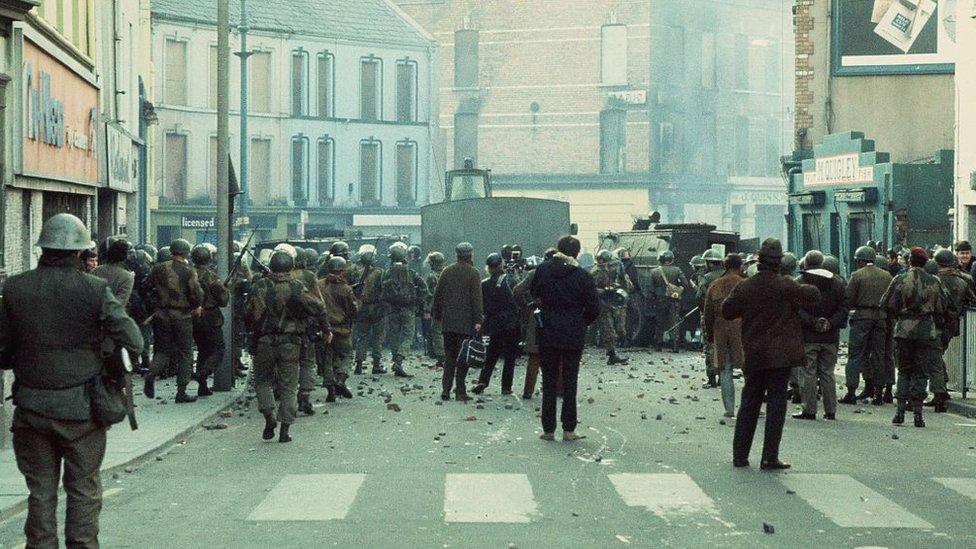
(843,169)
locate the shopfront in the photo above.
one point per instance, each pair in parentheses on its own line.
(847,194)
(117,205)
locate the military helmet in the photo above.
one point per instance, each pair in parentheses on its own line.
(312,256)
(237,246)
(435,259)
(865,253)
(666,255)
(179,247)
(464,250)
(814,259)
(281,262)
(398,252)
(414,251)
(64,232)
(712,256)
(337,264)
(697,262)
(287,248)
(201,255)
(211,247)
(149,249)
(931,267)
(619,252)
(301,258)
(880,260)
(604,255)
(340,248)
(164,255)
(787,265)
(945,258)
(832,264)
(367,254)
(507,252)
(618,297)
(494,260)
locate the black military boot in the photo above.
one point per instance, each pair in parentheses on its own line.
(878,398)
(331,395)
(149,389)
(269,426)
(900,413)
(613,359)
(866,393)
(305,405)
(398,370)
(849,398)
(917,408)
(283,434)
(378,367)
(888,396)
(202,389)
(182,397)
(342,390)
(940,403)
(359,368)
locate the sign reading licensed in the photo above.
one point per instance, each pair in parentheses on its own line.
(839,170)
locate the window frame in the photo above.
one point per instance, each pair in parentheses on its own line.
(186,55)
(270,181)
(303,139)
(267,77)
(303,110)
(329,56)
(330,197)
(415,83)
(378,200)
(415,152)
(378,61)
(186,165)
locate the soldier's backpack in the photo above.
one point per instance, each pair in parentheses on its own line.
(398,287)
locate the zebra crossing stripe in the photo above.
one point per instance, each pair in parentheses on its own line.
(965,486)
(309,498)
(488,498)
(667,495)
(850,504)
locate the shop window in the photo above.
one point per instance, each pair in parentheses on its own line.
(259,179)
(406,91)
(325,166)
(174,84)
(299,82)
(708,73)
(174,177)
(613,141)
(812,227)
(371,88)
(406,174)
(466,58)
(326,85)
(259,80)
(613,55)
(370,172)
(299,170)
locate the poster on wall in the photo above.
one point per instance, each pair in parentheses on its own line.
(894,37)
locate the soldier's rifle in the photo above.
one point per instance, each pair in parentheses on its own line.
(240,257)
(682,321)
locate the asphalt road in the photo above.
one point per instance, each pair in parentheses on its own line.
(653,471)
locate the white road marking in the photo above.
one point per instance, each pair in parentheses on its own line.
(850,504)
(667,495)
(488,498)
(965,486)
(309,498)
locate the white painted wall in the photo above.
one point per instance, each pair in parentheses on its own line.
(965,197)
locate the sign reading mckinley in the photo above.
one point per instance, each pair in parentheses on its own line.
(839,170)
(59,120)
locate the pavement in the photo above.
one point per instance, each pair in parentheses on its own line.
(161,424)
(395,467)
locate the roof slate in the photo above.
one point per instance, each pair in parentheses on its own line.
(369,21)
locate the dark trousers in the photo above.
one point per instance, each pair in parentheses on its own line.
(503,345)
(916,357)
(551,359)
(209,338)
(769,385)
(48,452)
(866,352)
(454,373)
(173,348)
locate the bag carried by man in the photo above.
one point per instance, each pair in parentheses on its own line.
(472,353)
(674,291)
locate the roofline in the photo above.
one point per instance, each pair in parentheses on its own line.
(411,22)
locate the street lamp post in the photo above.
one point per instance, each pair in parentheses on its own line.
(224,376)
(244,54)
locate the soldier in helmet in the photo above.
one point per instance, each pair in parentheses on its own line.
(339,249)
(312,259)
(918,303)
(120,279)
(416,263)
(163,255)
(308,368)
(240,287)
(435,338)
(278,313)
(668,284)
(632,321)
(369,328)
(207,333)
(714,270)
(179,298)
(54,321)
(608,277)
(404,292)
(869,329)
(340,309)
(959,287)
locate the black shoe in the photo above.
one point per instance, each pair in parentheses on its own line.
(305,405)
(931,403)
(803,415)
(831,417)
(283,435)
(797,399)
(462,397)
(149,389)
(773,465)
(183,398)
(331,396)
(888,397)
(899,414)
(866,393)
(478,389)
(917,408)
(203,390)
(398,371)
(940,407)
(613,360)
(359,369)
(343,391)
(526,396)
(269,427)
(849,398)
(445,396)
(740,463)
(378,369)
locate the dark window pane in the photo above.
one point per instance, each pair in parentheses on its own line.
(298,84)
(325,167)
(325,86)
(298,172)
(369,176)
(406,84)
(369,89)
(406,172)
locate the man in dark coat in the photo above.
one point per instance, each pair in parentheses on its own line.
(959,287)
(569,302)
(821,337)
(772,338)
(53,322)
(458,307)
(501,324)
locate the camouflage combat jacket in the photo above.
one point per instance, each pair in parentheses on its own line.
(281,305)
(215,294)
(959,288)
(176,287)
(917,301)
(340,303)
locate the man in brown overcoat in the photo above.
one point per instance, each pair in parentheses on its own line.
(458,307)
